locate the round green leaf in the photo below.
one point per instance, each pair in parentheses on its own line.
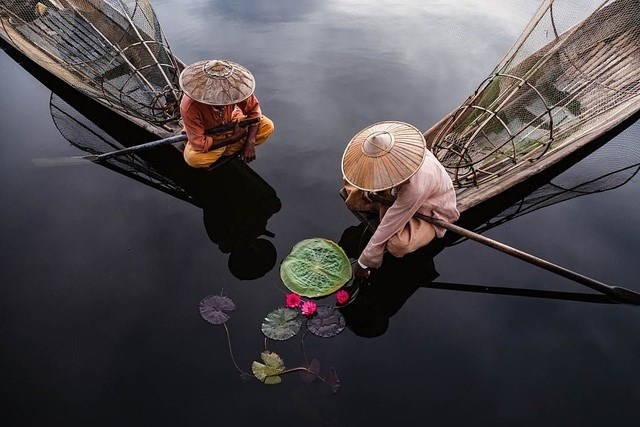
(281,324)
(327,322)
(315,268)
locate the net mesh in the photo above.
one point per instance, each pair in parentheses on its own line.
(90,138)
(114,47)
(611,166)
(574,70)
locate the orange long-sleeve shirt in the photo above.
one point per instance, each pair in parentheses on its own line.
(197,117)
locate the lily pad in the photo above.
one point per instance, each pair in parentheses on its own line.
(327,322)
(315,268)
(268,371)
(312,373)
(214,309)
(281,324)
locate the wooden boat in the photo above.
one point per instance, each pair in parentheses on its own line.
(112,51)
(571,76)
(239,230)
(115,84)
(563,84)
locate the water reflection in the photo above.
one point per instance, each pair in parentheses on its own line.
(262,10)
(236,202)
(235,218)
(389,287)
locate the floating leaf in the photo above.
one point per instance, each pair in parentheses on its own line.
(312,373)
(268,372)
(281,324)
(315,268)
(327,322)
(332,380)
(214,309)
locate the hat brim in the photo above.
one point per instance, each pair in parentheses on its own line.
(217,82)
(378,171)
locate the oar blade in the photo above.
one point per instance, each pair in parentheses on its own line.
(63,161)
(624,295)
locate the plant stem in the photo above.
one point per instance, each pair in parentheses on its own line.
(231,351)
(301,368)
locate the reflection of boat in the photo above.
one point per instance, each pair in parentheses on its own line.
(374,304)
(235,214)
(595,169)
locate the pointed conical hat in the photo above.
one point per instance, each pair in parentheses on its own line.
(383,155)
(217,82)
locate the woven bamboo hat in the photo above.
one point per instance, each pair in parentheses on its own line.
(217,82)
(383,155)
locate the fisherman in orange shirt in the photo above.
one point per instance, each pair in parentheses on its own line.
(218,92)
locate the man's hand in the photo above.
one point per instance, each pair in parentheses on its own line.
(249,152)
(237,130)
(361,273)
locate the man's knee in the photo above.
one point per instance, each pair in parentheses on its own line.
(397,248)
(410,240)
(265,129)
(197,159)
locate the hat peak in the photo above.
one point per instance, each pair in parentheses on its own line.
(218,69)
(378,144)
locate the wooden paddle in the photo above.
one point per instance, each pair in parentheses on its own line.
(616,293)
(96,158)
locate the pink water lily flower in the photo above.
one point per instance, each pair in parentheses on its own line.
(293,300)
(309,308)
(342,296)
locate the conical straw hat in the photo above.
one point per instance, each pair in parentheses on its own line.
(217,82)
(383,155)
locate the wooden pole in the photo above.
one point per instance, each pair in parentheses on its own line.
(62,161)
(616,293)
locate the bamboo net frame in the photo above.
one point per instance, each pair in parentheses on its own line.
(573,73)
(113,50)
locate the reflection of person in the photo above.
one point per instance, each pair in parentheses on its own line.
(386,291)
(250,255)
(218,92)
(393,156)
(235,218)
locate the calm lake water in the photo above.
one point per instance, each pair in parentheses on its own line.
(102,275)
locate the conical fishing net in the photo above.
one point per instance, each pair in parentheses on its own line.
(573,74)
(90,138)
(111,49)
(611,166)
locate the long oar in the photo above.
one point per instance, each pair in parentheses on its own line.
(616,293)
(96,158)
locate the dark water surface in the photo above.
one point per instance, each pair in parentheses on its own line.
(102,275)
